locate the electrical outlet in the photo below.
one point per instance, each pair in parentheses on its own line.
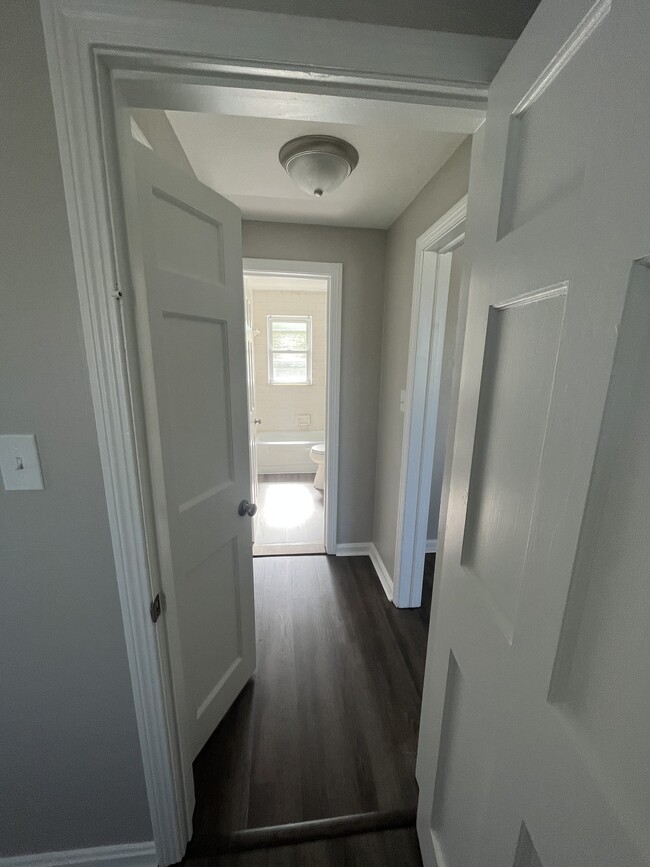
(304,420)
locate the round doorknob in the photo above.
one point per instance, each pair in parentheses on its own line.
(246,508)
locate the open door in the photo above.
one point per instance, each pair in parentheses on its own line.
(185,248)
(535,739)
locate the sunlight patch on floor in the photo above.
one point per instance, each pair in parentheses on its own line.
(287,506)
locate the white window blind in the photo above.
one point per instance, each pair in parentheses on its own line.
(289,341)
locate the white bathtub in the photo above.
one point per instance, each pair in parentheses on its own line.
(286,451)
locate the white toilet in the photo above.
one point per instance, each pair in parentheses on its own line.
(317,454)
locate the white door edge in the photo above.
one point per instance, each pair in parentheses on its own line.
(428,315)
(85,97)
(333,274)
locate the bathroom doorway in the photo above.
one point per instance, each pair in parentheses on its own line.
(293,339)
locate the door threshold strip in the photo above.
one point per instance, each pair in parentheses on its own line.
(302,832)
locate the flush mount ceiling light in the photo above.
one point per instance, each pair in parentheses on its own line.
(318,164)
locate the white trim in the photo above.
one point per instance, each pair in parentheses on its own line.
(333,274)
(353,549)
(426,341)
(102,54)
(283,469)
(73,78)
(126,855)
(593,19)
(431,546)
(382,572)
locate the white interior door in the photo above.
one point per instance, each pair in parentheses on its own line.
(185,244)
(535,739)
(253,420)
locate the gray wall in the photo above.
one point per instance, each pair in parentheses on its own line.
(70,766)
(503,18)
(362,252)
(440,194)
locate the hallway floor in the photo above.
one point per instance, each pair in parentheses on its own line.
(328,725)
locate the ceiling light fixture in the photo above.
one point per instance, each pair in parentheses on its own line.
(318,164)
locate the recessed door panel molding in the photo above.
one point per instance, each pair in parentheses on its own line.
(546,152)
(521,350)
(462,775)
(605,640)
(187,242)
(198,387)
(526,854)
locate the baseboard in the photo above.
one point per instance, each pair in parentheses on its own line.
(431,546)
(382,572)
(353,549)
(367,549)
(126,855)
(287,469)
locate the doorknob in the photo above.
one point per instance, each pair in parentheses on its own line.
(246,508)
(257,421)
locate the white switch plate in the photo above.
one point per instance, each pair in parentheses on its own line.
(19,463)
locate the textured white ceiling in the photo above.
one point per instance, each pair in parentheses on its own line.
(238,157)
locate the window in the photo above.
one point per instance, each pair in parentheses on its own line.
(289,340)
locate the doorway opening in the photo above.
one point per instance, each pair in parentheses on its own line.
(171,692)
(433,337)
(292,313)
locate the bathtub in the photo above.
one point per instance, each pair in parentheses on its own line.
(286,451)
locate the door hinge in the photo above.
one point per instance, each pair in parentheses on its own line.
(155,609)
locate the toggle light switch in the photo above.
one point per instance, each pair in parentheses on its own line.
(19,463)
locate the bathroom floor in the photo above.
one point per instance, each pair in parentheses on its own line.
(290,517)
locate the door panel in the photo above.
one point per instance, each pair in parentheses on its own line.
(516,384)
(185,244)
(534,741)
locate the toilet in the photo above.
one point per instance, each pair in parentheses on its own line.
(317,454)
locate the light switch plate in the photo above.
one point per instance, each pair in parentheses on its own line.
(19,463)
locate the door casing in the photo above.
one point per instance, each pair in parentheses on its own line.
(433,250)
(333,274)
(146,54)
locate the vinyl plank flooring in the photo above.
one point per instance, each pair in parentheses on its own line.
(328,725)
(395,848)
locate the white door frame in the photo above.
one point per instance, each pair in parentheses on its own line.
(333,274)
(107,54)
(433,251)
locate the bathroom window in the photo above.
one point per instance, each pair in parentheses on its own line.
(289,341)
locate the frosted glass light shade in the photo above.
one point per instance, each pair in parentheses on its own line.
(318,164)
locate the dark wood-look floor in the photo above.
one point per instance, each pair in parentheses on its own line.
(397,848)
(328,725)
